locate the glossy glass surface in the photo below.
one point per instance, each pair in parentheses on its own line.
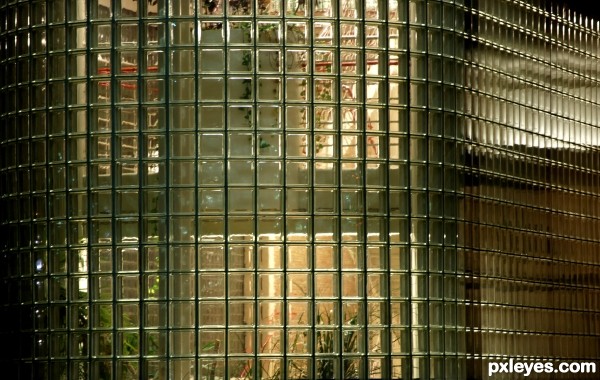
(529,216)
(294,189)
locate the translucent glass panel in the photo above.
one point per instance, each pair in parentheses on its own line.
(530,215)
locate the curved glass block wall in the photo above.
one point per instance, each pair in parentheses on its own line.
(295,189)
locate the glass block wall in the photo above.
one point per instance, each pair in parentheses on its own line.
(530,222)
(295,189)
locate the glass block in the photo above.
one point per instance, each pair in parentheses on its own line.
(241,285)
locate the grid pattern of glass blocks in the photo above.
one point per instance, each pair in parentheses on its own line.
(529,212)
(291,189)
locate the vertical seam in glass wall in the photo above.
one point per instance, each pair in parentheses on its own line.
(225,129)
(408,194)
(338,319)
(386,370)
(478,170)
(48,169)
(66,157)
(461,37)
(254,34)
(309,96)
(196,38)
(455,143)
(88,146)
(444,218)
(114,170)
(4,202)
(142,372)
(458,177)
(282,161)
(18,137)
(362,321)
(474,170)
(427,250)
(167,239)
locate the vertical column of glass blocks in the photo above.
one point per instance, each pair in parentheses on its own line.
(182,151)
(418,154)
(272,228)
(327,168)
(19,232)
(451,19)
(352,193)
(463,130)
(51,262)
(56,289)
(77,155)
(375,181)
(97,234)
(48,262)
(435,186)
(214,257)
(153,194)
(300,201)
(397,115)
(241,142)
(126,183)
(17,184)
